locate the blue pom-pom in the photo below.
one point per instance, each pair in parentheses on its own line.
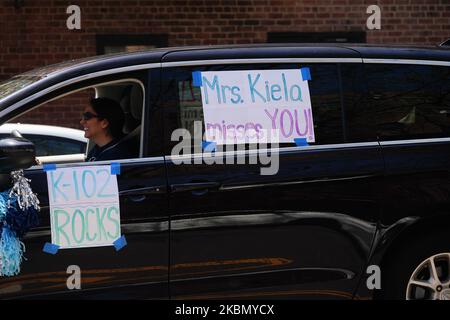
(3,205)
(20,221)
(11,253)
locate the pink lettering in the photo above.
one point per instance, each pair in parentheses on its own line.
(291,120)
(272,118)
(299,132)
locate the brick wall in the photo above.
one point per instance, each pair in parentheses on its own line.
(65,112)
(36,34)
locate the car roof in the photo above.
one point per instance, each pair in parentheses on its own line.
(246,50)
(45,130)
(267,50)
(314,50)
(440,53)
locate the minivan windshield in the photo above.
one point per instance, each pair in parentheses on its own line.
(21,81)
(15,84)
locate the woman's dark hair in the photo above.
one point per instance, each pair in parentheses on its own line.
(110,110)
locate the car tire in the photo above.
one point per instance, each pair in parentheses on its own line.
(408,272)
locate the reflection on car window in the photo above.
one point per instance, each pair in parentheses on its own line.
(23,80)
(50,146)
(409,101)
(15,84)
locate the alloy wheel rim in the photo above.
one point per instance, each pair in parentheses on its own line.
(431,279)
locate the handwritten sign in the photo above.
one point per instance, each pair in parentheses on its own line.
(84,207)
(245,106)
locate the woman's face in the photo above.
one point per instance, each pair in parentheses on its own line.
(94,128)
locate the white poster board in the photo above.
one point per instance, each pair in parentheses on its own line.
(84,207)
(245,106)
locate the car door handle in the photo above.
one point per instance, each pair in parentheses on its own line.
(197,188)
(139,194)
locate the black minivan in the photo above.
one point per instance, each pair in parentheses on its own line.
(369,191)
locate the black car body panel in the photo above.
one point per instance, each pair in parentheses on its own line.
(253,235)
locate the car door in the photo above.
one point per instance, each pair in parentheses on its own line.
(410,109)
(138,270)
(304,232)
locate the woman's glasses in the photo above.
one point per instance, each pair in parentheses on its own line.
(88,116)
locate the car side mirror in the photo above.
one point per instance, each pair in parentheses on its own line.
(16,153)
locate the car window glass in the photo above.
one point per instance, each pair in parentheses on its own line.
(409,101)
(48,146)
(183,104)
(359,126)
(56,127)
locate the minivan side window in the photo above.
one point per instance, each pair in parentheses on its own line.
(359,126)
(408,101)
(183,103)
(48,145)
(68,109)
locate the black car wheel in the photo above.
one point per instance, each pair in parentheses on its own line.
(419,270)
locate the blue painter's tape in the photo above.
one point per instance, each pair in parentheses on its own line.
(50,248)
(301,142)
(197,79)
(115,168)
(209,146)
(49,167)
(120,243)
(306,74)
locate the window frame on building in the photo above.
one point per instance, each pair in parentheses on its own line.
(146,41)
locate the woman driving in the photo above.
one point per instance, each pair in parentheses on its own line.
(102,122)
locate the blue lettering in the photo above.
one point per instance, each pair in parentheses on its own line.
(79,226)
(59,229)
(267,91)
(75,184)
(115,221)
(101,227)
(108,177)
(214,85)
(88,211)
(253,90)
(224,95)
(54,185)
(83,182)
(286,96)
(235,92)
(275,89)
(299,93)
